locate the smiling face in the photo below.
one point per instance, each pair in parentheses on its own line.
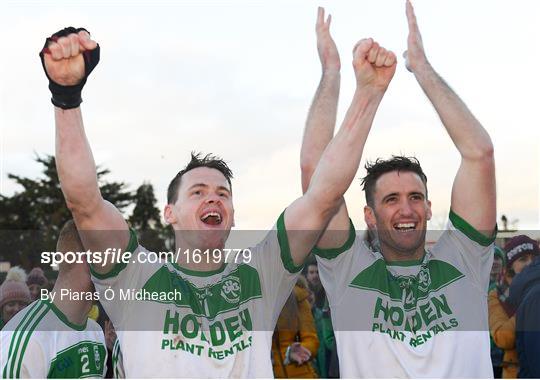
(203,213)
(399,214)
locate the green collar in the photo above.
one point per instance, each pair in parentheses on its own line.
(64,318)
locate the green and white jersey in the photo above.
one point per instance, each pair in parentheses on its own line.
(422,318)
(220,326)
(40,342)
(117,361)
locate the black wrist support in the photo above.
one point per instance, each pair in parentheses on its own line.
(67,97)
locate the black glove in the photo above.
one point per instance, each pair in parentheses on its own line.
(67,97)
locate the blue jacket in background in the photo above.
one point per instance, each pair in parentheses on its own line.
(525,297)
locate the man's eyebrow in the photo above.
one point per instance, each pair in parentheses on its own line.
(204,185)
(224,188)
(198,185)
(389,195)
(409,194)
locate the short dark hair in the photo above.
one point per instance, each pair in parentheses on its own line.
(397,163)
(197,161)
(310,260)
(68,241)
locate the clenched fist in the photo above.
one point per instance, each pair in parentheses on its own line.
(374,66)
(68,57)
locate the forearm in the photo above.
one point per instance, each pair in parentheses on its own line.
(320,124)
(74,161)
(339,162)
(470,138)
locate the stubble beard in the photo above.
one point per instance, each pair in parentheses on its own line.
(392,248)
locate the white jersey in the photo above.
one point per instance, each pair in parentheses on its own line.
(39,342)
(422,318)
(220,326)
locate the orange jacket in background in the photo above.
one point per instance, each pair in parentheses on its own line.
(295,324)
(503,331)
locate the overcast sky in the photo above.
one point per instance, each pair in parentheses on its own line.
(236,78)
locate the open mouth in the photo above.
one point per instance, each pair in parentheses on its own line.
(211,218)
(405,227)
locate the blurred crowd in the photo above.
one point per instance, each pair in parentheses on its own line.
(514,309)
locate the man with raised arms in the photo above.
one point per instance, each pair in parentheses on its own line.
(402,311)
(222,325)
(53,336)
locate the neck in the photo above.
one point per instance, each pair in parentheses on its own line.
(200,259)
(391,254)
(74,306)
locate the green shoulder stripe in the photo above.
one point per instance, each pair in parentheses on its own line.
(118,267)
(13,346)
(27,339)
(469,231)
(332,253)
(21,336)
(285,249)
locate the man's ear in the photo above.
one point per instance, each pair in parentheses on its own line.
(170,218)
(369,218)
(429,214)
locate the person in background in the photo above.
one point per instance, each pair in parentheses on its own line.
(295,341)
(59,339)
(326,363)
(36,281)
(525,298)
(520,251)
(14,295)
(314,283)
(497,269)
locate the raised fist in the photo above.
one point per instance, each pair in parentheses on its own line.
(374,66)
(328,53)
(68,57)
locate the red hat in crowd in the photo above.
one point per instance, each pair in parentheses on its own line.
(14,291)
(519,246)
